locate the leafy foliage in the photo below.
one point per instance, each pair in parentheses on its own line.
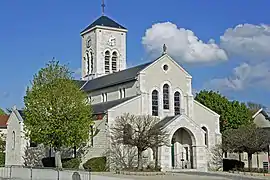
(33,156)
(217,157)
(72,163)
(233,114)
(139,131)
(249,139)
(2,149)
(2,112)
(56,111)
(97,164)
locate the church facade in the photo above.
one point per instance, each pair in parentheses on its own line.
(161,88)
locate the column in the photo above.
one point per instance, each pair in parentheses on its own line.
(201,159)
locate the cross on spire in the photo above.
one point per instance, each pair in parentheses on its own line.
(103,7)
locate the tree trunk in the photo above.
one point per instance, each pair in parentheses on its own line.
(58,162)
(140,160)
(225,154)
(249,161)
(258,163)
(75,152)
(156,159)
(239,155)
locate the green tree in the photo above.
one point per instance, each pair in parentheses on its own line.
(2,150)
(233,114)
(249,139)
(2,112)
(57,113)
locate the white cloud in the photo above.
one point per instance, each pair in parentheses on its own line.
(182,44)
(77,73)
(243,77)
(251,42)
(248,40)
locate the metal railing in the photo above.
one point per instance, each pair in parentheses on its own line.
(40,173)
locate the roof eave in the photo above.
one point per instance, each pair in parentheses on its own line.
(102,27)
(113,84)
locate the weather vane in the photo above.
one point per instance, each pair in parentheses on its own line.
(103,7)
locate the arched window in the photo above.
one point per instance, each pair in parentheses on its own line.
(107,62)
(13,140)
(87,63)
(166,101)
(114,61)
(205,135)
(92,62)
(155,103)
(176,103)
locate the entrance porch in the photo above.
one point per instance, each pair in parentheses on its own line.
(187,149)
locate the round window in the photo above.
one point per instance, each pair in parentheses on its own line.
(165,67)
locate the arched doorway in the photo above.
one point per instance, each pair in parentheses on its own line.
(182,151)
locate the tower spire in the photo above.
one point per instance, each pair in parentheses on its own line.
(103,7)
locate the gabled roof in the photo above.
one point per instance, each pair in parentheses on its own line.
(101,108)
(119,77)
(104,21)
(264,112)
(164,121)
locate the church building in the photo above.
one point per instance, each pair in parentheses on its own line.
(161,88)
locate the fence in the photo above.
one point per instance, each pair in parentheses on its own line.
(29,173)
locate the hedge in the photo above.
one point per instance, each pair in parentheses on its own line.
(97,164)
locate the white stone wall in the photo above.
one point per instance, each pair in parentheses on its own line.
(15,148)
(100,43)
(199,150)
(90,35)
(257,159)
(154,77)
(205,118)
(113,92)
(100,141)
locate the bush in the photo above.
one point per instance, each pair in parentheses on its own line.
(48,162)
(73,163)
(2,159)
(97,164)
(232,164)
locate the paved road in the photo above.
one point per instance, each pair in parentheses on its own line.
(177,176)
(222,175)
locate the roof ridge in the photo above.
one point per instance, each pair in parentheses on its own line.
(104,21)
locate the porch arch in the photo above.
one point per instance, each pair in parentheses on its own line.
(183,145)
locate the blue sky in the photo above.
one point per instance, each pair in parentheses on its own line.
(235,62)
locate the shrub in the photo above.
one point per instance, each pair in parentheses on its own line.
(73,163)
(48,162)
(97,164)
(232,164)
(2,159)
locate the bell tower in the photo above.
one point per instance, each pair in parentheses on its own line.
(103,47)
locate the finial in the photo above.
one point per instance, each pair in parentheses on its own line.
(103,7)
(164,49)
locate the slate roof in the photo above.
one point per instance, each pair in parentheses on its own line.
(101,108)
(104,21)
(164,121)
(114,78)
(80,83)
(21,113)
